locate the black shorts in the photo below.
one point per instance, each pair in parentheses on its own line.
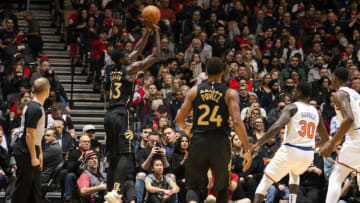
(117,122)
(208,151)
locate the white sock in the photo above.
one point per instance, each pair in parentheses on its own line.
(292,198)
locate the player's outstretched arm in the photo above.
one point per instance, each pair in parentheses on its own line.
(322,131)
(186,107)
(233,103)
(284,118)
(342,100)
(141,44)
(144,64)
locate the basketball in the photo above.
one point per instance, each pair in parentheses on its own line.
(151,14)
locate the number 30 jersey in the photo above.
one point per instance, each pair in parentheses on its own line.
(210,111)
(120,89)
(301,129)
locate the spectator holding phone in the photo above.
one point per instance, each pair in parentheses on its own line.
(154,150)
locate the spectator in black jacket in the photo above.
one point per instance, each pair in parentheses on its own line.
(55,85)
(312,182)
(249,179)
(154,150)
(178,160)
(73,159)
(4,162)
(90,131)
(52,154)
(66,142)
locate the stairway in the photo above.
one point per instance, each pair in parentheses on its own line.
(87,109)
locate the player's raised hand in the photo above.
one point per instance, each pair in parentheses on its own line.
(247,161)
(327,149)
(255,147)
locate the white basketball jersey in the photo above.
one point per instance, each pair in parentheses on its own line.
(301,129)
(353,134)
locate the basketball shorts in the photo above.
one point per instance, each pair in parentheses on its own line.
(349,156)
(208,151)
(288,160)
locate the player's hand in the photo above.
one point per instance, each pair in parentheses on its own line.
(255,147)
(35,162)
(247,161)
(327,149)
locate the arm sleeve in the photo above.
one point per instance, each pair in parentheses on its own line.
(32,117)
(148,179)
(83,181)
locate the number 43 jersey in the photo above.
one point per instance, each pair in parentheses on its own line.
(301,129)
(120,89)
(210,109)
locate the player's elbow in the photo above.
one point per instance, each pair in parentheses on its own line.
(349,120)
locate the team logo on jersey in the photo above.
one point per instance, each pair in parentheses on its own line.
(129,135)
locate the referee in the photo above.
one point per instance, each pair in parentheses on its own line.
(27,150)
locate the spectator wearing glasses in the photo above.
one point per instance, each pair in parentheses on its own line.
(66,142)
(90,131)
(72,170)
(52,154)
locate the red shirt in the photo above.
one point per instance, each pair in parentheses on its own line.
(168,13)
(14,109)
(234,178)
(234,84)
(243,43)
(98,47)
(84,181)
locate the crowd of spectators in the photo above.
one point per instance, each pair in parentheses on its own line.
(268,47)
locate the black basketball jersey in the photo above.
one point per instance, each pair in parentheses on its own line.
(121,89)
(210,111)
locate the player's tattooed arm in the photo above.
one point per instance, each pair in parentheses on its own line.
(186,107)
(284,118)
(342,100)
(322,132)
(146,63)
(139,47)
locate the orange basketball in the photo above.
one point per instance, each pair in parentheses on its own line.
(151,14)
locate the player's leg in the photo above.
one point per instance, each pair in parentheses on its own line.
(197,168)
(336,179)
(111,130)
(220,164)
(263,186)
(274,171)
(294,181)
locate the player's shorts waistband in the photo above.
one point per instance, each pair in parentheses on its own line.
(300,147)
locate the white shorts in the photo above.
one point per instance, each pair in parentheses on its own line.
(288,160)
(349,156)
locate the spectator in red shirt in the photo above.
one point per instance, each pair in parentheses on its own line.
(91,181)
(242,74)
(98,46)
(211,198)
(167,13)
(108,21)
